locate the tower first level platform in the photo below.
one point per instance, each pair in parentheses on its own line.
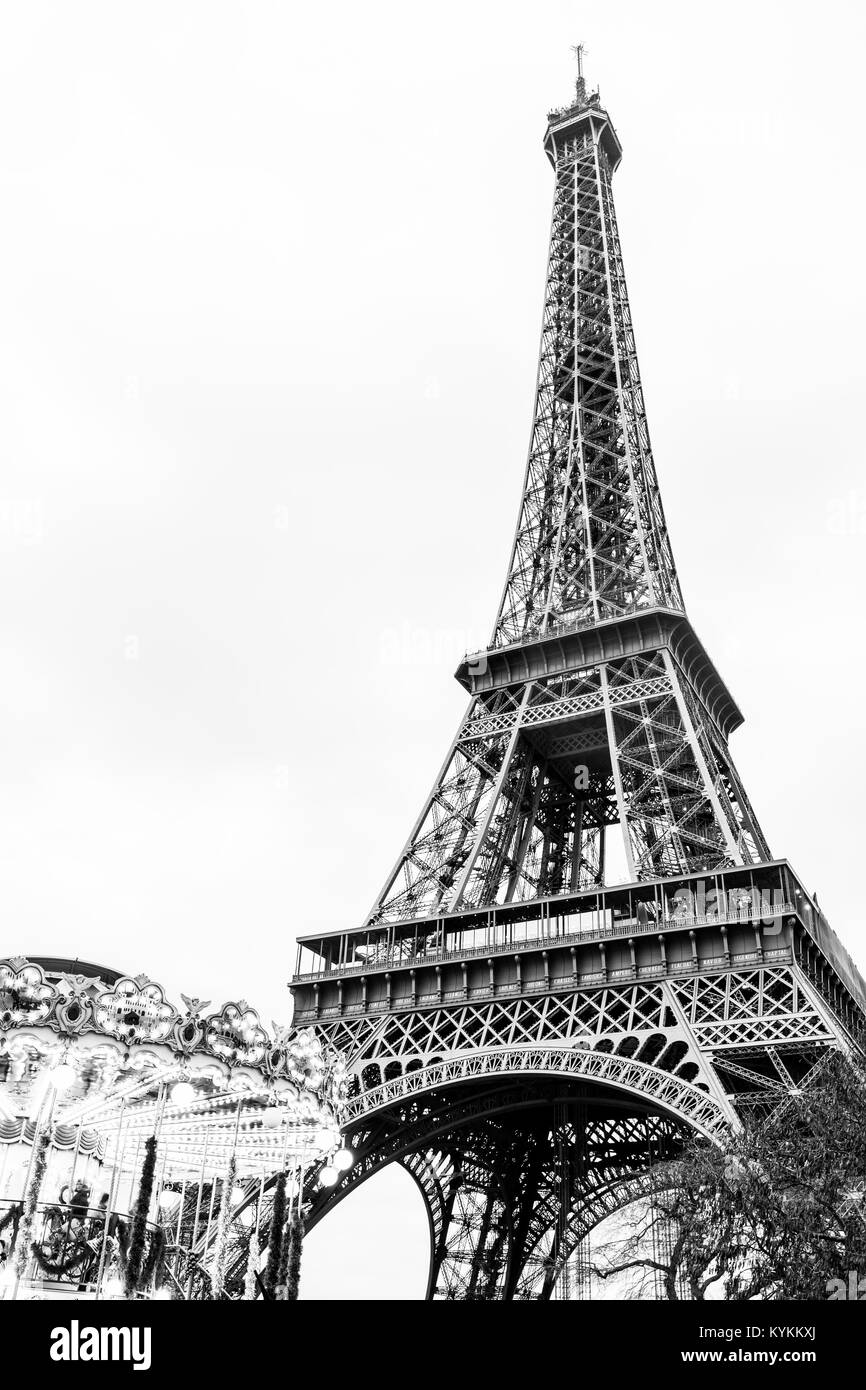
(744,956)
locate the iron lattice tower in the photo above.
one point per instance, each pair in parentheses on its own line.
(528,1033)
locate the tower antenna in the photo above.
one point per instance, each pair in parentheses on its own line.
(580,86)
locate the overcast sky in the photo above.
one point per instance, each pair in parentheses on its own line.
(271,296)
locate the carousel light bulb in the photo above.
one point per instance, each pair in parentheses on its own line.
(169,1200)
(238,1196)
(62,1077)
(343,1160)
(271,1117)
(328,1175)
(182,1093)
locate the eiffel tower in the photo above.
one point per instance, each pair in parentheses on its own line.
(586,950)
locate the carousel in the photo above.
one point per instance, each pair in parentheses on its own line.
(150,1151)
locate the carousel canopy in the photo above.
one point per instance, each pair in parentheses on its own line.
(107,1059)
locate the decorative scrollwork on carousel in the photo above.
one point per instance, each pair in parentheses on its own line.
(73,1007)
(24,996)
(189,1029)
(236,1035)
(135,1011)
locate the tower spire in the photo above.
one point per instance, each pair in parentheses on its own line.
(580,86)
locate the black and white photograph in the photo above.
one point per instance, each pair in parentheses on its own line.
(432,515)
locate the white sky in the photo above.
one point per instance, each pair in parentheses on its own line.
(270,312)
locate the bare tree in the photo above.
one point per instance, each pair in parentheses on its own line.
(777,1210)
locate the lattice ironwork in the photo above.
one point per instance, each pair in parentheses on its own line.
(509,821)
(591,541)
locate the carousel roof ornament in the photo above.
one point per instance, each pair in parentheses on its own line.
(126,1050)
(135,1011)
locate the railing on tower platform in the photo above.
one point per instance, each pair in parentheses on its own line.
(764,894)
